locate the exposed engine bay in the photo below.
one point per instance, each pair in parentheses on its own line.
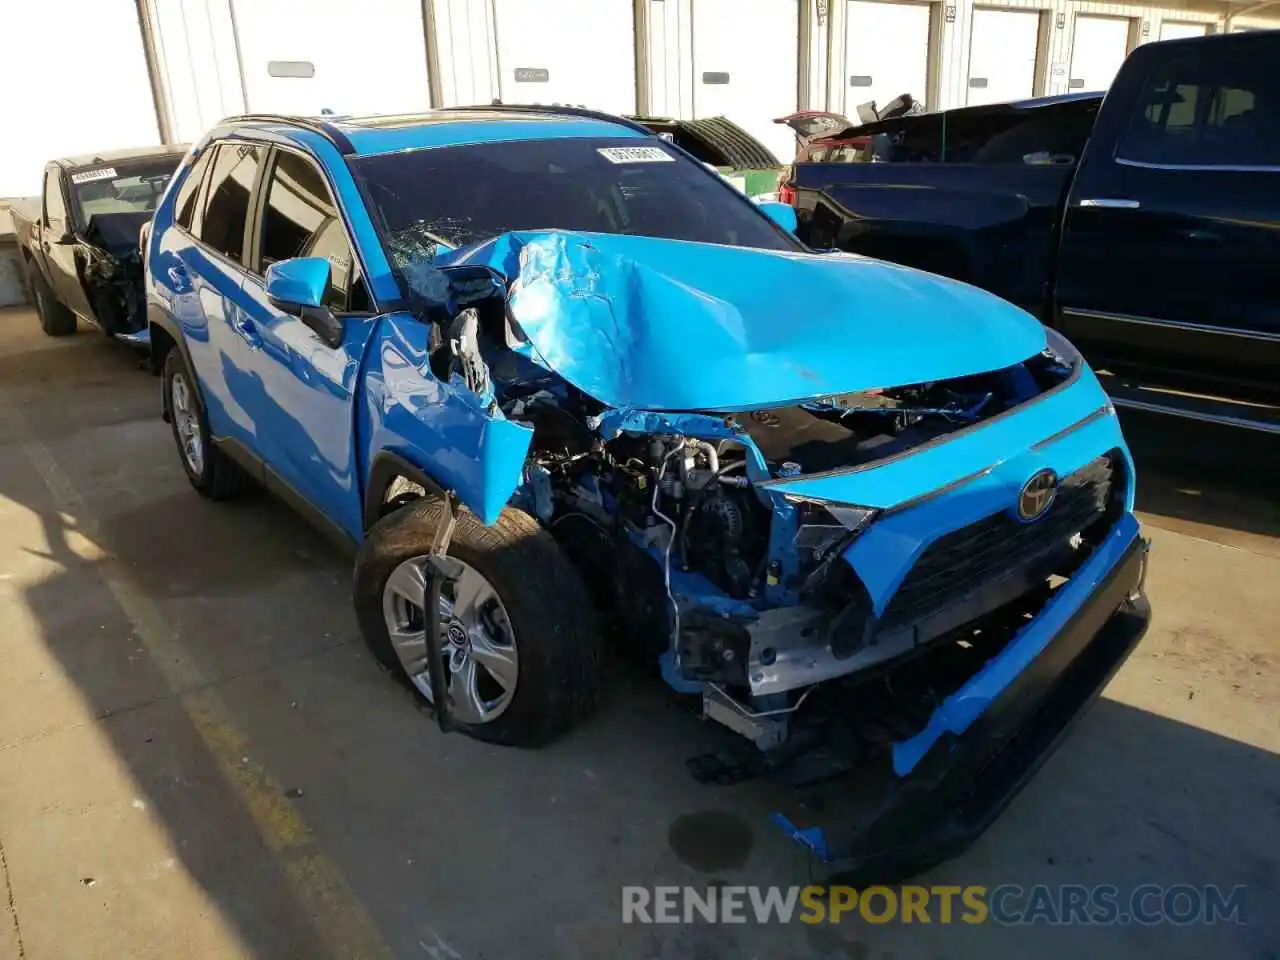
(737,589)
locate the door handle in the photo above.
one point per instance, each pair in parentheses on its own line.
(1111,203)
(1202,236)
(248,333)
(177,276)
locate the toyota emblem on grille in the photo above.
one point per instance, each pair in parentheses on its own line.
(1037,495)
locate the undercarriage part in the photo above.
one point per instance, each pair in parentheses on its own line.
(765,729)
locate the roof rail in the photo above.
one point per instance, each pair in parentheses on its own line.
(554,108)
(326,130)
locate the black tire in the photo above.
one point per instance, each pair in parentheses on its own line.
(550,611)
(56,320)
(220,477)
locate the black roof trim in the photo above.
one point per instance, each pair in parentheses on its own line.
(561,110)
(326,130)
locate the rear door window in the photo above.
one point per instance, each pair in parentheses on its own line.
(1211,108)
(231,181)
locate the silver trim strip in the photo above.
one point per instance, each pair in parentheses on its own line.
(1200,415)
(915,501)
(1199,167)
(940,491)
(1260,336)
(1083,422)
(1110,203)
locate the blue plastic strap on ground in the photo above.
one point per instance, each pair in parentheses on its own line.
(811,838)
(964,706)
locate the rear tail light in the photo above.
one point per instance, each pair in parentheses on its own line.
(786,192)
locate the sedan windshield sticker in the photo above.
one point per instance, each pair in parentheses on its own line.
(88,176)
(635,155)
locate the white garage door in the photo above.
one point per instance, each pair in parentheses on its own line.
(745,66)
(70,90)
(307,56)
(1174,30)
(886,52)
(1002,55)
(577,52)
(1099,47)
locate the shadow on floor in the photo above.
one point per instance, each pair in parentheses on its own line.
(455,849)
(1206,476)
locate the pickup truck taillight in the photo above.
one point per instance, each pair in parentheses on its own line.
(786,192)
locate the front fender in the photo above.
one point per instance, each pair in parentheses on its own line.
(442,429)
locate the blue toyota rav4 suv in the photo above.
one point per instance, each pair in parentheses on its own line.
(559,382)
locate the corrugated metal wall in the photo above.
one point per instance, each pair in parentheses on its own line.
(200,69)
(1057,31)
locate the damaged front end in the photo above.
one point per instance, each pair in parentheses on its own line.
(111,272)
(848,562)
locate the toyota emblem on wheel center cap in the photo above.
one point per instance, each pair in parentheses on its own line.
(1037,495)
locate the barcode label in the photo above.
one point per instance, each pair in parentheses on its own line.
(635,155)
(88,176)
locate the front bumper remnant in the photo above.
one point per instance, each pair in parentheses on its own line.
(964,781)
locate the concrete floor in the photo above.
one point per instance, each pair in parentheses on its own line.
(198,758)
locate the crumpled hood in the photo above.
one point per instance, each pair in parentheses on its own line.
(671,325)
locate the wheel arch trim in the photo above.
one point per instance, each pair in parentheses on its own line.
(385,466)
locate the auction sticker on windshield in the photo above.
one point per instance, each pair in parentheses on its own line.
(635,155)
(88,176)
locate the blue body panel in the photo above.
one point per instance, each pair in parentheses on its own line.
(656,331)
(439,427)
(300,394)
(302,281)
(964,706)
(982,471)
(671,325)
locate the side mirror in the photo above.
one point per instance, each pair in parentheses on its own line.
(298,282)
(64,237)
(298,286)
(783,214)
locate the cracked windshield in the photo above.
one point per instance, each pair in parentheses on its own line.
(459,196)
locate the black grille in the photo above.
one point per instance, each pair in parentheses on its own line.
(999,546)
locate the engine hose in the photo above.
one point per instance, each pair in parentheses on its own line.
(695,502)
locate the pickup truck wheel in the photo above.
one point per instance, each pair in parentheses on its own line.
(210,471)
(55,319)
(519,641)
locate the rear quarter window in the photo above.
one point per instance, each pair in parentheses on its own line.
(184,204)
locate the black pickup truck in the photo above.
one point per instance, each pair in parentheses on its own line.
(80,241)
(1145,226)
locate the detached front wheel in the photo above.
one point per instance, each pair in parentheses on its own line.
(518,639)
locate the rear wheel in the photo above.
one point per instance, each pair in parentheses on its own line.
(210,471)
(56,320)
(518,640)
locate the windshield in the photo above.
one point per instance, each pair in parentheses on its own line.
(462,195)
(135,187)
